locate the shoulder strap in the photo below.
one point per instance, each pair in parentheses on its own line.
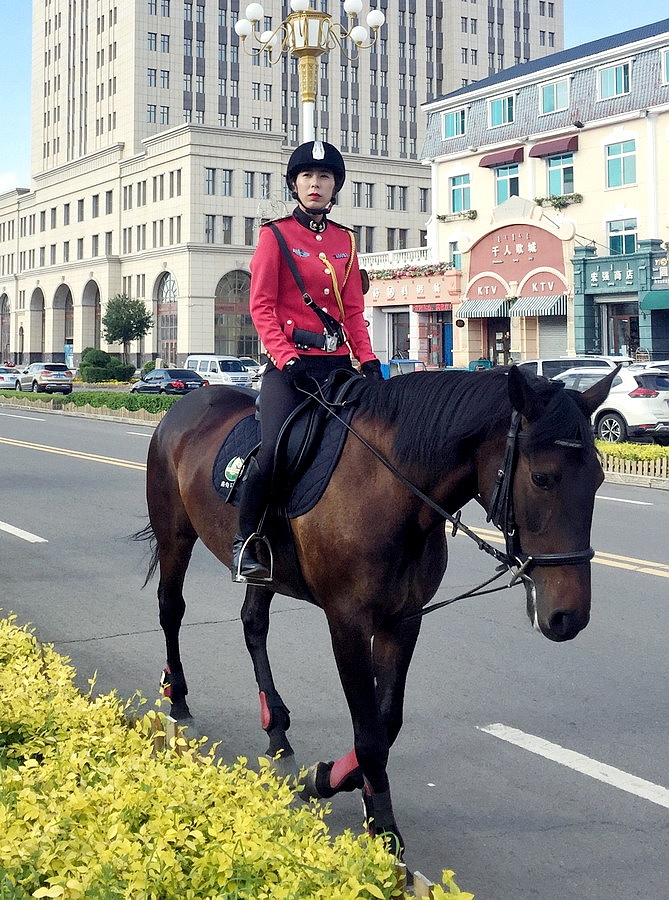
(330,324)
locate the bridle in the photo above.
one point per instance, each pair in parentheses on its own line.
(501,514)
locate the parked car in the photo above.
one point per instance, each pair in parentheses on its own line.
(660,364)
(251,365)
(549,368)
(637,407)
(168,381)
(219,369)
(44,376)
(8,377)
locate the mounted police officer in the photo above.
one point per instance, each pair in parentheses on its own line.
(307,306)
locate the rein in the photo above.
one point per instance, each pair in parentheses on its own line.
(500,514)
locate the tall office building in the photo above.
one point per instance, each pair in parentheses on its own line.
(159,145)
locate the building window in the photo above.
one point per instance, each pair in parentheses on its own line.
(226,182)
(369,195)
(226,229)
(665,67)
(249,223)
(459,191)
(209,229)
(454,257)
(614,81)
(424,199)
(80,212)
(454,123)
(152,40)
(554,96)
(210,181)
(109,202)
(151,112)
(621,164)
(249,179)
(501,111)
(622,236)
(164,78)
(506,183)
(151,77)
(164,115)
(561,174)
(165,43)
(265,185)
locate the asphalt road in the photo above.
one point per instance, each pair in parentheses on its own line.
(515,817)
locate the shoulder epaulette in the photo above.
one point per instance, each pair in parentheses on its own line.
(343,227)
(280,219)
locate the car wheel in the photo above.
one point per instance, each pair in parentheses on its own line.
(612,428)
(35,388)
(17,386)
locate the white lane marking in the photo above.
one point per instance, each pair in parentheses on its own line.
(15,416)
(141,433)
(24,535)
(620,500)
(580,763)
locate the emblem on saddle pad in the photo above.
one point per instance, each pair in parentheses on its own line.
(231,472)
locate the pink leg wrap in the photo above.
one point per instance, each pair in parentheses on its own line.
(342,768)
(265,714)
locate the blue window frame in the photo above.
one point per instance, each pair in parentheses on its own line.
(621,164)
(506,183)
(460,193)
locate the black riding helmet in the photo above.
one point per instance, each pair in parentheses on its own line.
(316,154)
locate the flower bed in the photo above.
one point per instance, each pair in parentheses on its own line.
(90,809)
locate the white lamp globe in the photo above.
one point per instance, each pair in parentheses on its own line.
(375,18)
(269,39)
(353,7)
(243,28)
(299,5)
(254,12)
(359,34)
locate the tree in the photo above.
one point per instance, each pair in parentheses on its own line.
(124,321)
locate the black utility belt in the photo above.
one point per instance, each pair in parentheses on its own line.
(305,340)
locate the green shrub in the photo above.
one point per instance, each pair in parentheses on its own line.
(149,366)
(92,809)
(94,357)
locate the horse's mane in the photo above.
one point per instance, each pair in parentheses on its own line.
(443,416)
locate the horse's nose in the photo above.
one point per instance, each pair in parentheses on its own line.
(563,625)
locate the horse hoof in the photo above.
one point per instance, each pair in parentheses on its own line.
(286,767)
(310,782)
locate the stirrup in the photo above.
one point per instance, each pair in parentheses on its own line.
(238,576)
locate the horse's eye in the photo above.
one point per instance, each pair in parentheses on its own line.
(542,481)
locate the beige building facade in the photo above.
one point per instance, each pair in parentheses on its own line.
(159,146)
(551,198)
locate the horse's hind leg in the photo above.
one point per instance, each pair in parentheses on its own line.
(174,551)
(274,714)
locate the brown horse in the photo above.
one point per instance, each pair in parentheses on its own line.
(372,552)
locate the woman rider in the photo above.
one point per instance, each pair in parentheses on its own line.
(301,348)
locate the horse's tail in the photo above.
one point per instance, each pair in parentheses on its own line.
(147,534)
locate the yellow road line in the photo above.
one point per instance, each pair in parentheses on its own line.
(77,454)
(613,560)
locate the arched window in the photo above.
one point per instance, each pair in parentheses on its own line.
(234,333)
(167,319)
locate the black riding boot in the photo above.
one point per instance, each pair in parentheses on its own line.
(254,497)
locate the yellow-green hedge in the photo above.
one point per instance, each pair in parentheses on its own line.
(89,809)
(632,451)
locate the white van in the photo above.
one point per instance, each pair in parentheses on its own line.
(218,369)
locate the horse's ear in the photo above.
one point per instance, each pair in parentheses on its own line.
(592,398)
(524,398)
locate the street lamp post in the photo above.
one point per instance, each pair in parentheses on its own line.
(306,34)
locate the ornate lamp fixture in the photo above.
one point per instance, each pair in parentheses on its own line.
(306,34)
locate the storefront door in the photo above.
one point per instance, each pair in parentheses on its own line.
(499,341)
(622,328)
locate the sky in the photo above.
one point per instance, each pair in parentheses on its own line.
(583,22)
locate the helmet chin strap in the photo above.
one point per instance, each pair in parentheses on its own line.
(315,212)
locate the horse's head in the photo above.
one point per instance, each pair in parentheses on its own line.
(555,474)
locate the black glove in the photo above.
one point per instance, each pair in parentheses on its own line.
(295,371)
(372,370)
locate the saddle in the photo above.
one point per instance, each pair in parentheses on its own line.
(307,451)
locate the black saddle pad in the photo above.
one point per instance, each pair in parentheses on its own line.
(309,485)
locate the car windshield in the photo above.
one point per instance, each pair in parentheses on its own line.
(230,365)
(182,374)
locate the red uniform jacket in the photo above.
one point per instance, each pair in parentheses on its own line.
(276,303)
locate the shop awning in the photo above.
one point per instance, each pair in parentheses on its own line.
(654,300)
(502,158)
(553,148)
(490,308)
(555,305)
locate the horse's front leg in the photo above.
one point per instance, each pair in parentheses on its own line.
(274,714)
(352,645)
